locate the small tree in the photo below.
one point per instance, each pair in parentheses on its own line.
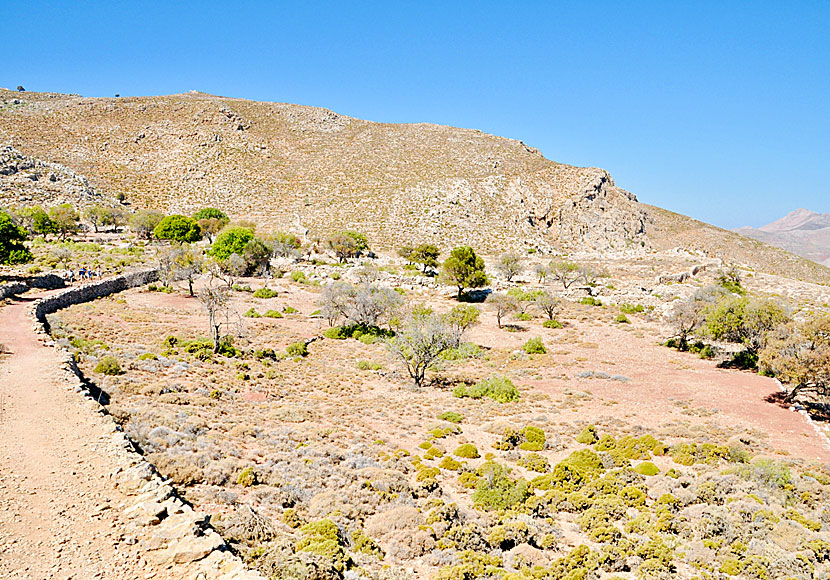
(211,221)
(743,320)
(216,301)
(347,244)
(509,265)
(420,340)
(95,214)
(257,256)
(568,273)
(66,219)
(364,305)
(462,317)
(143,223)
(286,245)
(549,305)
(685,319)
(12,236)
(178,228)
(463,269)
(231,241)
(502,304)
(542,271)
(188,264)
(800,355)
(426,255)
(405,252)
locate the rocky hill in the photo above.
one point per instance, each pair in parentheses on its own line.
(310,169)
(801,232)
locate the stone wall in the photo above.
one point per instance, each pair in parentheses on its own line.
(47,282)
(93,291)
(173,531)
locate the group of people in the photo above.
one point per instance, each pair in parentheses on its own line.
(84,273)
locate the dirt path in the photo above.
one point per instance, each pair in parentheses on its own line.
(60,513)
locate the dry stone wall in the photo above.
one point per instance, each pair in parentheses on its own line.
(174,532)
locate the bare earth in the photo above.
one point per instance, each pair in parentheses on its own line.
(60,513)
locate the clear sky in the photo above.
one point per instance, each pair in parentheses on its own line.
(718,110)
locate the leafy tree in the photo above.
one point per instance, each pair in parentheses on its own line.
(211,220)
(216,301)
(231,241)
(347,244)
(549,305)
(257,256)
(462,316)
(799,354)
(568,273)
(685,319)
(144,222)
(12,236)
(463,269)
(542,271)
(744,320)
(426,255)
(503,304)
(102,216)
(188,263)
(364,304)
(178,228)
(509,265)
(286,245)
(420,340)
(66,219)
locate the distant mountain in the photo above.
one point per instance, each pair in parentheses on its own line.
(801,232)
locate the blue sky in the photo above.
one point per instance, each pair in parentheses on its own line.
(718,110)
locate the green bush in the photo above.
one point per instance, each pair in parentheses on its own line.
(108,365)
(365,365)
(273,314)
(450,464)
(247,477)
(290,310)
(265,292)
(467,451)
(535,462)
(252,313)
(231,241)
(590,301)
(178,228)
(298,348)
(535,346)
(647,468)
(631,309)
(451,416)
(495,490)
(148,356)
(499,388)
(534,439)
(298,276)
(622,319)
(552,324)
(588,436)
(465,350)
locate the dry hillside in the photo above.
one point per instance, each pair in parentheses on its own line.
(290,166)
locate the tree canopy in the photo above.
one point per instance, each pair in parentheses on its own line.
(178,228)
(12,236)
(231,241)
(463,269)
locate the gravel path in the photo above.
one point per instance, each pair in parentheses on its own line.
(61,515)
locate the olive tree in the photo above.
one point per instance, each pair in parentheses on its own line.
(143,223)
(364,304)
(502,304)
(65,218)
(509,265)
(744,320)
(565,272)
(549,305)
(216,301)
(799,355)
(420,340)
(347,244)
(426,255)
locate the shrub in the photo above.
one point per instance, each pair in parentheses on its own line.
(273,314)
(298,276)
(534,439)
(622,319)
(366,365)
(535,462)
(467,451)
(495,490)
(590,301)
(631,309)
(298,348)
(148,356)
(535,346)
(552,324)
(265,292)
(108,365)
(450,464)
(231,241)
(451,416)
(178,228)
(290,310)
(588,436)
(247,477)
(647,468)
(499,388)
(464,351)
(252,313)
(12,236)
